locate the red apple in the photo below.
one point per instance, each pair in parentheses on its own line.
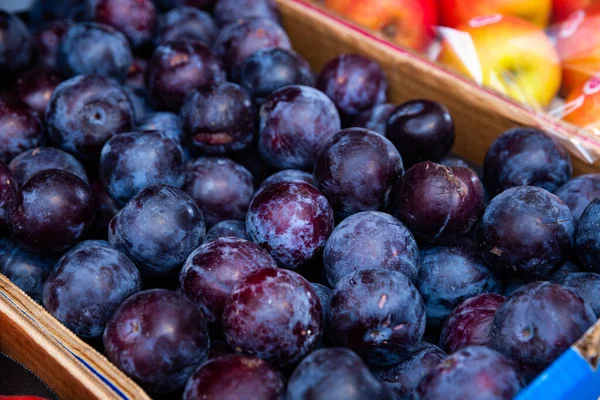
(582,105)
(562,9)
(505,53)
(407,22)
(454,13)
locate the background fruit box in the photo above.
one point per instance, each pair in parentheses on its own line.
(74,370)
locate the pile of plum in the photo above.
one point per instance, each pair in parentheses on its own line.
(179,190)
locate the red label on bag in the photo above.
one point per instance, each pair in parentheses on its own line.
(592,86)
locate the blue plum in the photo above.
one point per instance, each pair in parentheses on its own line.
(166,122)
(588,237)
(374,119)
(228,228)
(228,11)
(584,284)
(35,87)
(16,46)
(8,189)
(20,128)
(289,175)
(579,192)
(47,39)
(30,162)
(186,23)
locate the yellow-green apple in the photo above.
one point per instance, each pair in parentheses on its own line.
(454,13)
(505,53)
(409,23)
(582,105)
(562,9)
(578,46)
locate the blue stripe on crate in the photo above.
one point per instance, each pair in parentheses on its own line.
(81,360)
(570,377)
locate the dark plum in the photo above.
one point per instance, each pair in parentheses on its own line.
(130,162)
(30,162)
(158,338)
(472,373)
(52,211)
(377,313)
(579,192)
(526,231)
(169,4)
(356,169)
(27,270)
(324,294)
(92,48)
(20,128)
(253,162)
(449,275)
(421,130)
(268,70)
(141,105)
(537,324)
(273,314)
(48,10)
(87,286)
(158,229)
(228,11)
(8,190)
(35,87)
(222,188)
(242,38)
(334,373)
(291,220)
(454,160)
(295,124)
(166,122)
(289,175)
(186,23)
(354,83)
(136,73)
(178,68)
(47,39)
(525,157)
(135,18)
(106,208)
(219,348)
(374,119)
(228,228)
(584,284)
(85,111)
(218,118)
(438,203)
(16,46)
(588,237)
(235,377)
(212,270)
(469,324)
(404,377)
(370,240)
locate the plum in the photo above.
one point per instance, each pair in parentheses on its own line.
(584,284)
(374,119)
(222,188)
(525,157)
(35,87)
(404,377)
(354,83)
(85,111)
(219,348)
(235,377)
(8,189)
(87,286)
(30,162)
(20,128)
(472,373)
(588,238)
(289,175)
(438,203)
(186,23)
(421,130)
(291,220)
(51,212)
(47,40)
(334,373)
(106,208)
(16,46)
(526,232)
(141,105)
(454,160)
(228,228)
(579,192)
(158,229)
(218,118)
(132,161)
(377,313)
(228,11)
(537,324)
(295,123)
(356,170)
(169,4)
(273,314)
(166,122)
(158,338)
(136,72)
(212,270)
(470,322)
(449,275)
(370,240)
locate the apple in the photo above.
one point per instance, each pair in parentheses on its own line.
(505,53)
(454,13)
(409,23)
(582,105)
(562,9)
(578,46)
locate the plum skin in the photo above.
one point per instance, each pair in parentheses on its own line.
(526,231)
(158,338)
(377,313)
(8,189)
(291,220)
(227,228)
(211,271)
(235,377)
(537,324)
(186,23)
(20,128)
(374,119)
(587,239)
(30,162)
(579,192)
(370,240)
(289,175)
(584,284)
(86,287)
(280,335)
(356,169)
